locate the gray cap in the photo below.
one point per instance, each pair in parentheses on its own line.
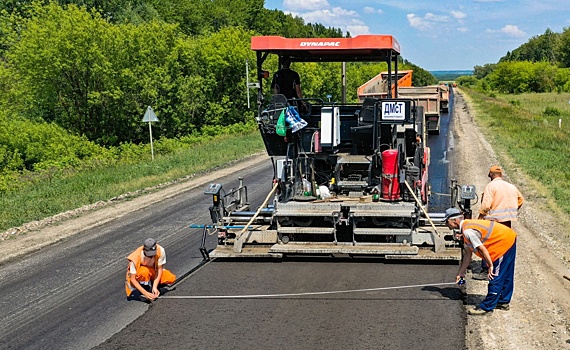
(149,247)
(452,213)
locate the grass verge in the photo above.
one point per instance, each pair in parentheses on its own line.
(56,195)
(526,129)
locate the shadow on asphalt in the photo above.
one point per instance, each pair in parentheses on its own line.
(452,293)
(344,260)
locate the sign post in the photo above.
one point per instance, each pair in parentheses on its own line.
(248,84)
(150,117)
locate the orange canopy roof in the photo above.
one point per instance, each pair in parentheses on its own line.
(359,48)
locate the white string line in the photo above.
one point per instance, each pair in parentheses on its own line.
(251,296)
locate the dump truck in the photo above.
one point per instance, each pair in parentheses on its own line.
(432,98)
(377,87)
(444,98)
(349,179)
(427,97)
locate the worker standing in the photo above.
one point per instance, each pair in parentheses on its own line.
(287,82)
(146,271)
(500,202)
(496,244)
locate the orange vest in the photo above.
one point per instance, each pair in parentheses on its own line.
(135,257)
(495,237)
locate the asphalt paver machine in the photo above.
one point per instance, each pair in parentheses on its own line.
(350,179)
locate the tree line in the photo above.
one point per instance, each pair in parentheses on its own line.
(540,65)
(193,17)
(90,68)
(93,69)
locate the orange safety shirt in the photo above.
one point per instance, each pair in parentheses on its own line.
(496,238)
(146,273)
(501,201)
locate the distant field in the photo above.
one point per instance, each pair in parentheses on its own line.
(450,75)
(543,105)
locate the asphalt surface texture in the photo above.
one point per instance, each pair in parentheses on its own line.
(412,316)
(438,175)
(351,304)
(70,294)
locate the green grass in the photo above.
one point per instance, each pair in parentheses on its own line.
(537,104)
(521,131)
(42,199)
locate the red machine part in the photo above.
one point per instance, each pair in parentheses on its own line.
(390,184)
(424,175)
(317,142)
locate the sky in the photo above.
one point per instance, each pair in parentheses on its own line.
(439,34)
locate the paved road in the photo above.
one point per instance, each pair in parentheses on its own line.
(426,317)
(438,171)
(70,295)
(429,317)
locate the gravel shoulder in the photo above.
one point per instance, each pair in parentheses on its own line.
(539,317)
(540,309)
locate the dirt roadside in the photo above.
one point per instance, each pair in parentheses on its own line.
(39,234)
(539,317)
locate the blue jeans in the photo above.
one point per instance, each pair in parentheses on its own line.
(500,289)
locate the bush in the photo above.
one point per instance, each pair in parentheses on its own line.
(467,80)
(551,111)
(36,146)
(35,151)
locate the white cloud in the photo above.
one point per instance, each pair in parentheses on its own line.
(369,9)
(458,14)
(462,29)
(338,17)
(425,23)
(305,5)
(357,29)
(418,22)
(339,11)
(510,30)
(435,18)
(320,11)
(335,17)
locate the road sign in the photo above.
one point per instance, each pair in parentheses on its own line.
(149,115)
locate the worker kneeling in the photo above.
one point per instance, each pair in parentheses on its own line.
(146,272)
